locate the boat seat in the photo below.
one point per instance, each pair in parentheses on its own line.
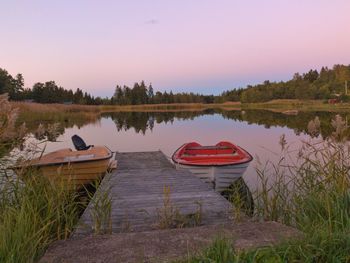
(208,147)
(209,150)
(79,143)
(76,158)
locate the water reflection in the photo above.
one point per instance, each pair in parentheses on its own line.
(257,131)
(142,122)
(52,129)
(299,122)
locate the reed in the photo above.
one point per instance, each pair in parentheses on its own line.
(309,191)
(295,104)
(55,107)
(101,212)
(170,216)
(10,135)
(32,215)
(34,114)
(39,108)
(241,198)
(168,107)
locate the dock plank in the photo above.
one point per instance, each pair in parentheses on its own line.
(136,190)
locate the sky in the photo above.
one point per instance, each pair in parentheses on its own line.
(180,45)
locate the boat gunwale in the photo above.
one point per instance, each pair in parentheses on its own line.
(110,155)
(210,165)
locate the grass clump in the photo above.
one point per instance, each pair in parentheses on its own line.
(32,215)
(220,251)
(241,198)
(101,210)
(170,216)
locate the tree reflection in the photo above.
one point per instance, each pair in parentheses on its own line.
(298,123)
(142,122)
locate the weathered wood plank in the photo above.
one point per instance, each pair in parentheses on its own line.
(136,191)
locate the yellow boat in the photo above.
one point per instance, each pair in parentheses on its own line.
(73,168)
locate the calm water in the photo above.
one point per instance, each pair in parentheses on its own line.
(256,131)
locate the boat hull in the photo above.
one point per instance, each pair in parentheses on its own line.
(74,169)
(221,164)
(71,175)
(220,177)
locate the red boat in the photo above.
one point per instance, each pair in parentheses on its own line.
(221,164)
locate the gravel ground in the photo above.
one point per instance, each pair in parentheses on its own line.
(164,245)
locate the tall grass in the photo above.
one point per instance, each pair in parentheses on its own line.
(241,198)
(169,107)
(301,105)
(32,215)
(10,135)
(309,190)
(74,108)
(54,107)
(101,208)
(67,115)
(170,216)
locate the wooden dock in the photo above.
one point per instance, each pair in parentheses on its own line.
(139,200)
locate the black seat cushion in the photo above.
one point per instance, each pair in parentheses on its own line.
(79,143)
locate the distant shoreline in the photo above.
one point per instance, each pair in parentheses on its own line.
(275,105)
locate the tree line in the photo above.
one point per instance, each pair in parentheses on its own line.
(140,93)
(48,92)
(324,84)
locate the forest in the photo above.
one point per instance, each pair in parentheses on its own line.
(50,92)
(312,85)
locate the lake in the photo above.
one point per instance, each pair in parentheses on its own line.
(257,131)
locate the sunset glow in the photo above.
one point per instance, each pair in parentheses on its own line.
(201,46)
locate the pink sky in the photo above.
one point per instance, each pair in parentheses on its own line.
(183,45)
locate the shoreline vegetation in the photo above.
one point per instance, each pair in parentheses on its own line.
(35,114)
(314,198)
(47,112)
(325,84)
(33,213)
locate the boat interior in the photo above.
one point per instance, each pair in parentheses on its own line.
(68,155)
(220,154)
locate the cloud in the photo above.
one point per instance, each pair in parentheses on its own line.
(152,22)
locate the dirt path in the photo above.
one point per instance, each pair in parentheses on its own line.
(164,245)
